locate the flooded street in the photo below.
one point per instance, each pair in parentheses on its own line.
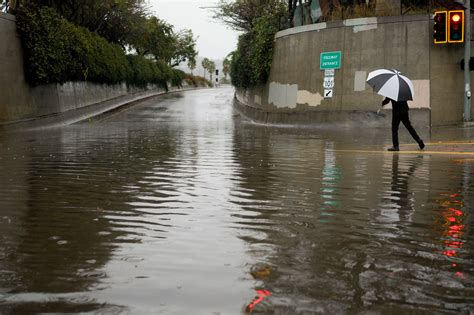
(178,206)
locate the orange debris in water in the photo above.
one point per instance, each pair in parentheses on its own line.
(262,272)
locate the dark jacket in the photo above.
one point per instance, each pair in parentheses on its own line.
(400,107)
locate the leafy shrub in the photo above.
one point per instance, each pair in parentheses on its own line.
(252,61)
(45,41)
(177,77)
(163,73)
(142,72)
(57,51)
(241,66)
(262,49)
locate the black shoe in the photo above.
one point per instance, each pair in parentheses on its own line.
(393,149)
(421,144)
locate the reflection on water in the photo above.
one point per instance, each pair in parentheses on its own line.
(453,224)
(178,206)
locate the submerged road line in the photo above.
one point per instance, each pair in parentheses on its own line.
(452,147)
(408,152)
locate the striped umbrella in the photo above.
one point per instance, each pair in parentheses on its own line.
(391,84)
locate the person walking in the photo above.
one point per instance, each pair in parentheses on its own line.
(400,114)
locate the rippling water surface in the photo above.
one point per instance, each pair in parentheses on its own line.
(177,206)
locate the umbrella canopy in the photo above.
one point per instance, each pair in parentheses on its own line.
(391,84)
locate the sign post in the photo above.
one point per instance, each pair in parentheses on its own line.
(467,58)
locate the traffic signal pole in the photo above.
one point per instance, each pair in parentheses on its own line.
(467,58)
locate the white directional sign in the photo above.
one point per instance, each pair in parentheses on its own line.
(328,93)
(329,73)
(328,82)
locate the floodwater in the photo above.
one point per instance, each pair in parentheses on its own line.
(178,206)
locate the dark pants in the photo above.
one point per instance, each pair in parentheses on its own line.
(402,117)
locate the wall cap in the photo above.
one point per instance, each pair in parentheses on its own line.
(352,23)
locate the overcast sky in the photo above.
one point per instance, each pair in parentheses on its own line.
(214,41)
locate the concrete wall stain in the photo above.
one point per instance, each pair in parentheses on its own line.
(308,98)
(283,95)
(359,80)
(422,94)
(257,99)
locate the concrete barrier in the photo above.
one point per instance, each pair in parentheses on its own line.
(22,106)
(295,85)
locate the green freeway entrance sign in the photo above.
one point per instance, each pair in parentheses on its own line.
(330,60)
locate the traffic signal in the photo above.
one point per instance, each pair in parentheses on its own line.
(440,27)
(456,26)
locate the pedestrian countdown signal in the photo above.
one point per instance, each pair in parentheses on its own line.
(456,26)
(440,28)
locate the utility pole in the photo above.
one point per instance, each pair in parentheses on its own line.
(467,58)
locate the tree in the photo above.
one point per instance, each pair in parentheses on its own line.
(260,20)
(242,15)
(155,38)
(112,19)
(184,47)
(226,65)
(205,64)
(124,22)
(192,64)
(211,68)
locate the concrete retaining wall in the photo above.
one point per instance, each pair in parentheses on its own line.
(400,42)
(15,96)
(20,103)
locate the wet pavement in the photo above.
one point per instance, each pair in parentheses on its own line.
(178,206)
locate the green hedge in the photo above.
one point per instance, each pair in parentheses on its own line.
(177,77)
(252,61)
(241,70)
(57,51)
